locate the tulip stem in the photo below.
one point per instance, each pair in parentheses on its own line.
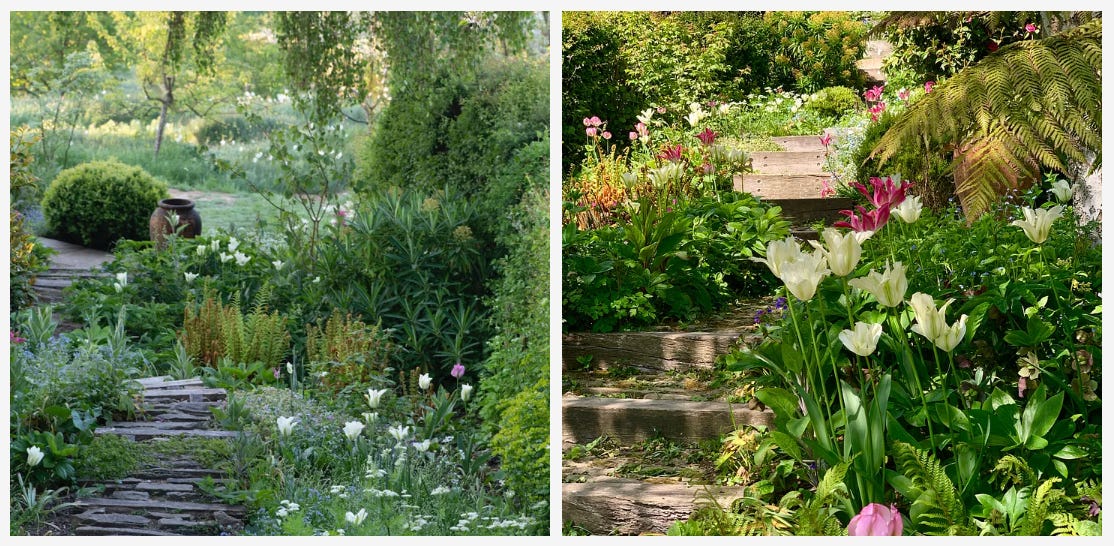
(819,378)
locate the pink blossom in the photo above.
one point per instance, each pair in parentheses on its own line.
(671,153)
(276,373)
(884,194)
(826,139)
(708,168)
(661,109)
(928,85)
(633,135)
(457,371)
(592,131)
(864,221)
(1030,28)
(873,94)
(15,339)
(876,520)
(587,122)
(607,135)
(707,137)
(826,188)
(903,94)
(595,121)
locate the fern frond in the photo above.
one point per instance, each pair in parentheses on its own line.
(1046,497)
(937,506)
(1012,470)
(1032,104)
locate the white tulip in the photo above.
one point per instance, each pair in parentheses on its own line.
(190,277)
(241,258)
(802,276)
(887,287)
(1062,190)
(357,518)
(779,253)
(373,396)
(224,258)
(352,429)
(1038,223)
(863,339)
(201,250)
(909,210)
(34,456)
(465,392)
(399,433)
(952,335)
(278,264)
(286,425)
(842,251)
(233,244)
(425,381)
(931,322)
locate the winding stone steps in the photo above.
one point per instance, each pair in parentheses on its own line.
(163,498)
(595,497)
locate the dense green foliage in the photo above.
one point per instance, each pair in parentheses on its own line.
(514,399)
(98,203)
(834,102)
(616,63)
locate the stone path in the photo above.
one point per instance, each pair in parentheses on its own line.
(71,262)
(162,498)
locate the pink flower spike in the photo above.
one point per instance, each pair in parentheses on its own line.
(826,139)
(457,371)
(876,520)
(928,85)
(592,131)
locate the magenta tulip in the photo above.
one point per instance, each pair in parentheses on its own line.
(457,371)
(876,520)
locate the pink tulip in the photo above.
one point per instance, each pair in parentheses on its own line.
(707,137)
(864,221)
(928,85)
(587,122)
(708,168)
(1030,28)
(14,337)
(826,139)
(592,131)
(903,94)
(595,121)
(457,371)
(876,520)
(607,135)
(671,153)
(633,135)
(873,94)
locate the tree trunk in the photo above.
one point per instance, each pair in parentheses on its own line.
(166,101)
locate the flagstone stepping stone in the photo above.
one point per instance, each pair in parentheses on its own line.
(653,351)
(632,507)
(124,531)
(128,506)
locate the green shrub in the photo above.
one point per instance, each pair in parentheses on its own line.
(233,128)
(816,49)
(27,259)
(95,204)
(595,80)
(513,396)
(945,42)
(834,102)
(461,133)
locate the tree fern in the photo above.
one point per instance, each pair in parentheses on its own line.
(1031,105)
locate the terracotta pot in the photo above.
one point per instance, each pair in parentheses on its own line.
(187,216)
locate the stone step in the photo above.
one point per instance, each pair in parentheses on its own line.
(806,143)
(188,526)
(192,408)
(869,63)
(158,424)
(90,530)
(150,486)
(815,209)
(180,417)
(146,433)
(103,519)
(125,506)
(167,382)
(649,351)
(631,507)
(633,420)
(195,394)
(781,186)
(178,475)
(795,163)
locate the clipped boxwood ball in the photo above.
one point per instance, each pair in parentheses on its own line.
(97,203)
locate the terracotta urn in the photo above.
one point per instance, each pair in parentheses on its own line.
(188,219)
